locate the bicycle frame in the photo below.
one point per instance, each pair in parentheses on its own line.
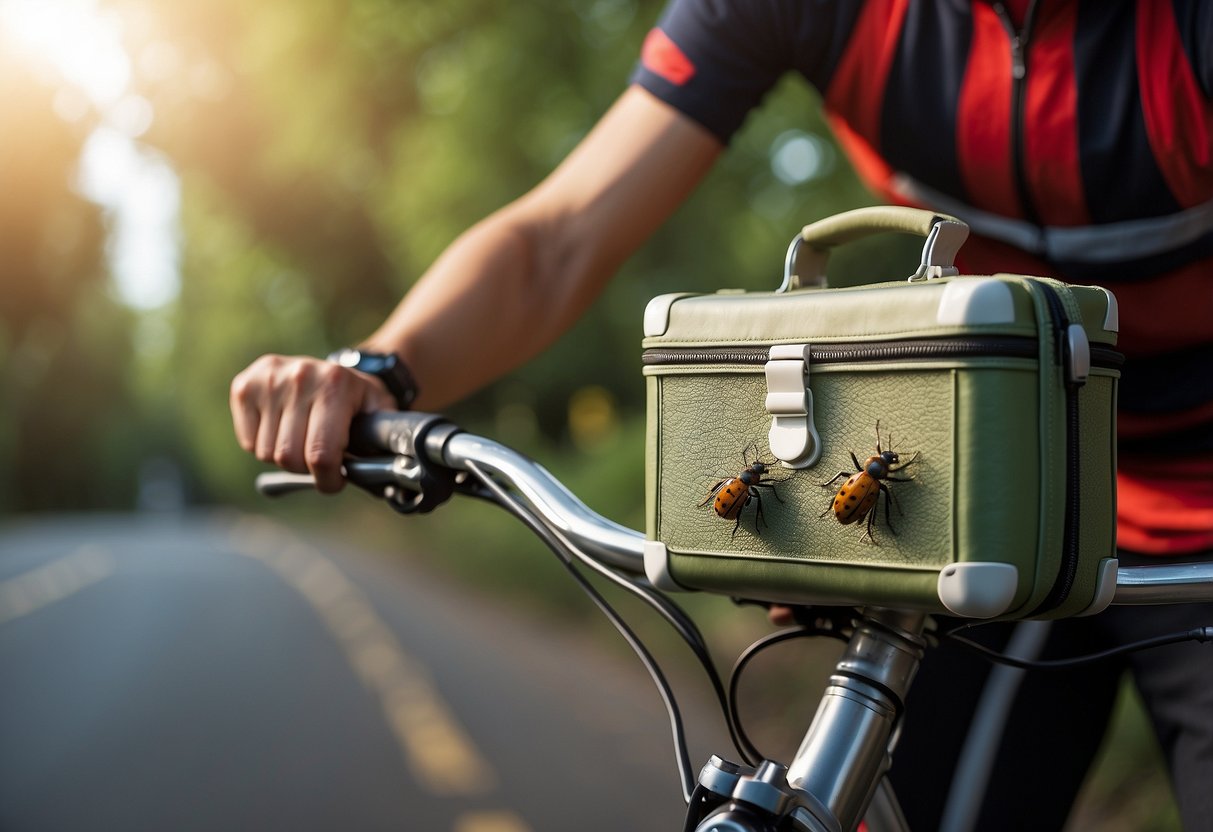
(836,777)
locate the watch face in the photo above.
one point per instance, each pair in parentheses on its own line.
(384,366)
(374,364)
(365,362)
(346,358)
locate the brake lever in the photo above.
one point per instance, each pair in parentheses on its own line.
(281,483)
(407,480)
(407,484)
(373,475)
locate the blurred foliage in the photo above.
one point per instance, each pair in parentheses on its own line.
(65,392)
(328,153)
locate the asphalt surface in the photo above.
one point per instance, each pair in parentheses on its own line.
(221,672)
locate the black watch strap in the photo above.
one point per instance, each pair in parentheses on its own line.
(387,367)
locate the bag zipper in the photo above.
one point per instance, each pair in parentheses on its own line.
(1070,527)
(924,349)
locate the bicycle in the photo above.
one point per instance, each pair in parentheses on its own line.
(417,461)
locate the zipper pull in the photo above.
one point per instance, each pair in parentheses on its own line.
(1019,67)
(1019,37)
(1077,355)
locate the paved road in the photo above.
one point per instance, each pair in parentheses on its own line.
(222,673)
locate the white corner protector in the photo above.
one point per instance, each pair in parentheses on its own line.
(978,590)
(657,566)
(976,300)
(1111,320)
(657,313)
(1105,586)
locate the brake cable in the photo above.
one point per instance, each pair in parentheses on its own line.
(561,547)
(1199,634)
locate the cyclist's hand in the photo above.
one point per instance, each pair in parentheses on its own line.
(781,615)
(296,411)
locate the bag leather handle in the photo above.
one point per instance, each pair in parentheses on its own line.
(810,250)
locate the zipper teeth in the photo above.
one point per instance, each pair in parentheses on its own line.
(926,349)
(1106,357)
(1066,575)
(706,355)
(826,353)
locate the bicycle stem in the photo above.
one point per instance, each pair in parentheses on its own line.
(847,749)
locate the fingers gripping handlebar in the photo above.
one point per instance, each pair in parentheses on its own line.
(408,479)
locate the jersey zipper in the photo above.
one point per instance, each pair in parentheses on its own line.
(1019,74)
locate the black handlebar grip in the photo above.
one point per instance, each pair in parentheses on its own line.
(390,431)
(405,433)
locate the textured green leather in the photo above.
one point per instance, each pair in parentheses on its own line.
(713,421)
(988,484)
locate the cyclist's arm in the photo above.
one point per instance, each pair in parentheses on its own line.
(501,292)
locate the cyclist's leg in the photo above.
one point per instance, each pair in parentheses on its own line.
(1176,686)
(1056,723)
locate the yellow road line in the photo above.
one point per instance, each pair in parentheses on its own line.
(503,821)
(435,746)
(35,589)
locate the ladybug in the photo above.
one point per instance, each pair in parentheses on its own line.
(857,497)
(729,496)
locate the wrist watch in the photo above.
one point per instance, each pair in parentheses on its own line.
(387,367)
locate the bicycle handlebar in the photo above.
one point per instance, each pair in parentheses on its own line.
(432,441)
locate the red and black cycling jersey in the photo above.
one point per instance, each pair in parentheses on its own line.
(1075,138)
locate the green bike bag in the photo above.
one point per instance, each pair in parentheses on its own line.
(997,395)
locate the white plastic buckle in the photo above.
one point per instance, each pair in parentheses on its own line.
(793,438)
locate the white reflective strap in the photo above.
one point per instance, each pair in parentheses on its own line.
(1105,243)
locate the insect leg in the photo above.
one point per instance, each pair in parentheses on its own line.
(870,527)
(758,515)
(896,504)
(837,477)
(855,459)
(907,463)
(769,485)
(888,498)
(712,493)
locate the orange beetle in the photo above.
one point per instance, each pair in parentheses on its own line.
(729,496)
(859,494)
